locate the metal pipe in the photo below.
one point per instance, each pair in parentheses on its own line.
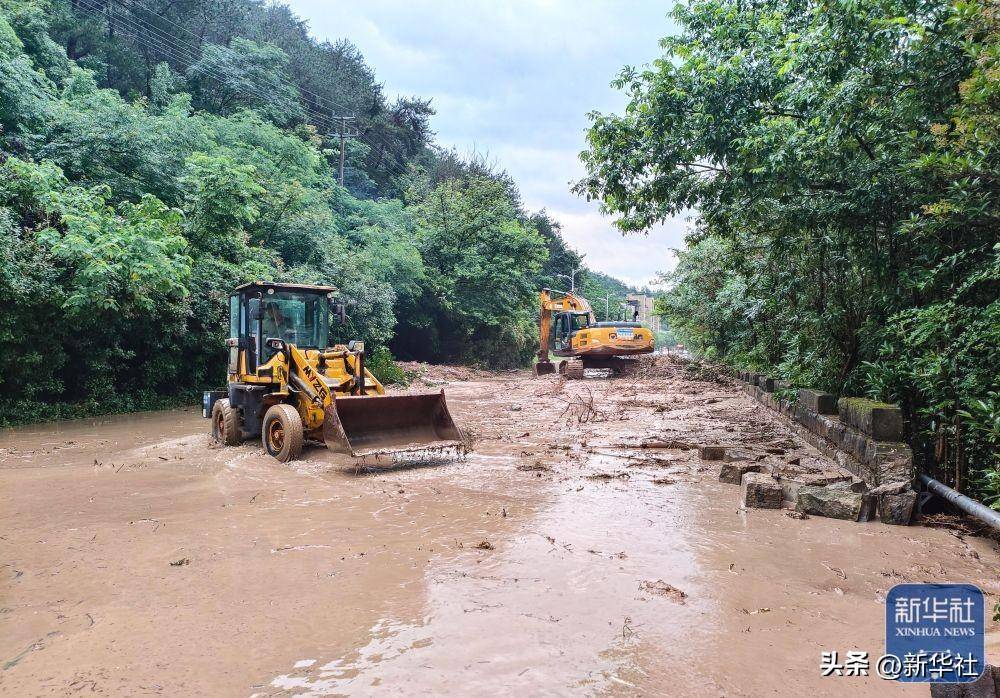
(970,506)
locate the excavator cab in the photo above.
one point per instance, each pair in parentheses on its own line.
(563,327)
(286,383)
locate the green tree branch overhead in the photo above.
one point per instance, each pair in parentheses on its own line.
(842,163)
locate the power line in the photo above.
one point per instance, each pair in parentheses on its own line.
(175,49)
(302,91)
(163,42)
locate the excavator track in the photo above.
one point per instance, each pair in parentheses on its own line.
(572,369)
(625,368)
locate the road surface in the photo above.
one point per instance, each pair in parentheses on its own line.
(137,557)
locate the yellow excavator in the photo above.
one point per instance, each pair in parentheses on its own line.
(568,328)
(286,384)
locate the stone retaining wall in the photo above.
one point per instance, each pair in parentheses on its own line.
(863,436)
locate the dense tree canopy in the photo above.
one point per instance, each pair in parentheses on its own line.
(842,161)
(155,154)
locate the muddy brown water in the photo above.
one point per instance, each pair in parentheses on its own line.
(137,557)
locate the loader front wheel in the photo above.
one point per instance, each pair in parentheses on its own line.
(225,423)
(282,432)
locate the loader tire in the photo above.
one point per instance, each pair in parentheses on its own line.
(282,432)
(225,423)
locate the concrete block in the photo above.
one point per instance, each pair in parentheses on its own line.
(760,491)
(711,452)
(790,485)
(834,503)
(735,454)
(897,509)
(892,461)
(733,472)
(836,433)
(854,484)
(879,420)
(898,487)
(824,423)
(807,419)
(818,402)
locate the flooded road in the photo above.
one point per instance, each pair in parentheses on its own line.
(137,557)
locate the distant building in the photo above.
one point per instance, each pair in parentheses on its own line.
(644,304)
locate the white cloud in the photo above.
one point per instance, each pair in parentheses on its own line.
(633,258)
(516,79)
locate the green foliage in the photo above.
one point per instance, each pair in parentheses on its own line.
(245,75)
(482,264)
(137,189)
(842,160)
(385,369)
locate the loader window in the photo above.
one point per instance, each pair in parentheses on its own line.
(297,318)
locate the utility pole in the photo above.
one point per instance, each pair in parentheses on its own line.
(607,307)
(344,134)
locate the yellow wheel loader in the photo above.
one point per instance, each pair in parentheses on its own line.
(286,384)
(568,328)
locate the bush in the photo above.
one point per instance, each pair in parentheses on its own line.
(385,368)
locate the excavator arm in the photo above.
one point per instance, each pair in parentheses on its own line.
(548,305)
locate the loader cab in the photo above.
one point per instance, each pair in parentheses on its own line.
(564,325)
(260,311)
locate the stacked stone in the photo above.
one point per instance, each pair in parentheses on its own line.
(863,436)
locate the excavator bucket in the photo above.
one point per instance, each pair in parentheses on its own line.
(388,424)
(544,368)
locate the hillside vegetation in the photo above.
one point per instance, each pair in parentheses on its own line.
(155,154)
(842,159)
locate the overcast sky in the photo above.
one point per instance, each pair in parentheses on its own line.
(515,79)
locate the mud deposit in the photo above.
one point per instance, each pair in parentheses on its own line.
(136,557)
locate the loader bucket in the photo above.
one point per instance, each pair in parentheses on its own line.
(386,424)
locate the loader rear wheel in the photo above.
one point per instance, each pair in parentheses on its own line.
(282,432)
(225,423)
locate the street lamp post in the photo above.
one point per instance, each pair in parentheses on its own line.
(572,278)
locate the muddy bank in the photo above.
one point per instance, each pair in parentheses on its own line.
(137,557)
